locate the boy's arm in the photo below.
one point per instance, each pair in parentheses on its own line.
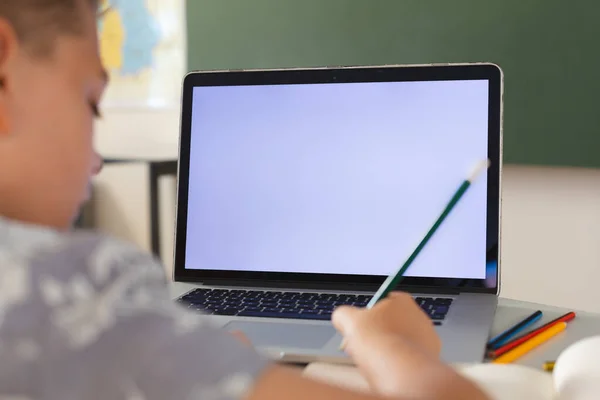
(436,383)
(395,367)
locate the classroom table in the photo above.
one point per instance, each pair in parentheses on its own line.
(510,312)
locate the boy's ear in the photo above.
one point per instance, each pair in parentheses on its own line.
(4,119)
(8,44)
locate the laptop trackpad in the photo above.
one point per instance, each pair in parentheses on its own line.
(269,334)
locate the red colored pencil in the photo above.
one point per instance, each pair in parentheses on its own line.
(521,339)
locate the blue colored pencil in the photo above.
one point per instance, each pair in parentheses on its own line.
(505,336)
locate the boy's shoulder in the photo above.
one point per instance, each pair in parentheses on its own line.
(91,251)
(71,281)
(38,261)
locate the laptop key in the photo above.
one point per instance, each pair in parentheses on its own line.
(272,295)
(294,315)
(271,310)
(191,298)
(441,310)
(287,304)
(265,314)
(315,316)
(226,311)
(200,292)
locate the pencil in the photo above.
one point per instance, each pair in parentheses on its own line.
(523,338)
(549,366)
(501,339)
(531,344)
(393,280)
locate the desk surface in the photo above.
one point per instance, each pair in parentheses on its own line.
(510,312)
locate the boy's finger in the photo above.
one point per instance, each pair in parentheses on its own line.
(344,319)
(241,337)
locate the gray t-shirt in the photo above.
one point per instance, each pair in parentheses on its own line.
(83,316)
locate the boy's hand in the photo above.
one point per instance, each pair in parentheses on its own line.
(397,350)
(239,335)
(397,315)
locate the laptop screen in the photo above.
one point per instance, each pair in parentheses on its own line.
(337,178)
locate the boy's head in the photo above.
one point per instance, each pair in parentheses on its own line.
(51,80)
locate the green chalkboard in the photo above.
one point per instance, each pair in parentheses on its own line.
(549,51)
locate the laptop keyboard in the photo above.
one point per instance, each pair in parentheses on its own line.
(297,305)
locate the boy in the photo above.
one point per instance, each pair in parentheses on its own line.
(83,316)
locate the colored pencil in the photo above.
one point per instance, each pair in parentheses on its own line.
(531,344)
(505,336)
(549,366)
(523,338)
(394,279)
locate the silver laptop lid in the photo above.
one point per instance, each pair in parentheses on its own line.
(329,177)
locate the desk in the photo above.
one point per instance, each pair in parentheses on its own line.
(511,311)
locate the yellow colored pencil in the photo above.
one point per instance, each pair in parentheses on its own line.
(531,344)
(549,366)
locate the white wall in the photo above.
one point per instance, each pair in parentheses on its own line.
(138,133)
(551,236)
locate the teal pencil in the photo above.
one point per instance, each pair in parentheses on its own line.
(393,280)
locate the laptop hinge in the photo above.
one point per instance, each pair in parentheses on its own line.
(429,290)
(351,287)
(292,285)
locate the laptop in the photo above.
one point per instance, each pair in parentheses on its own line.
(300,190)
